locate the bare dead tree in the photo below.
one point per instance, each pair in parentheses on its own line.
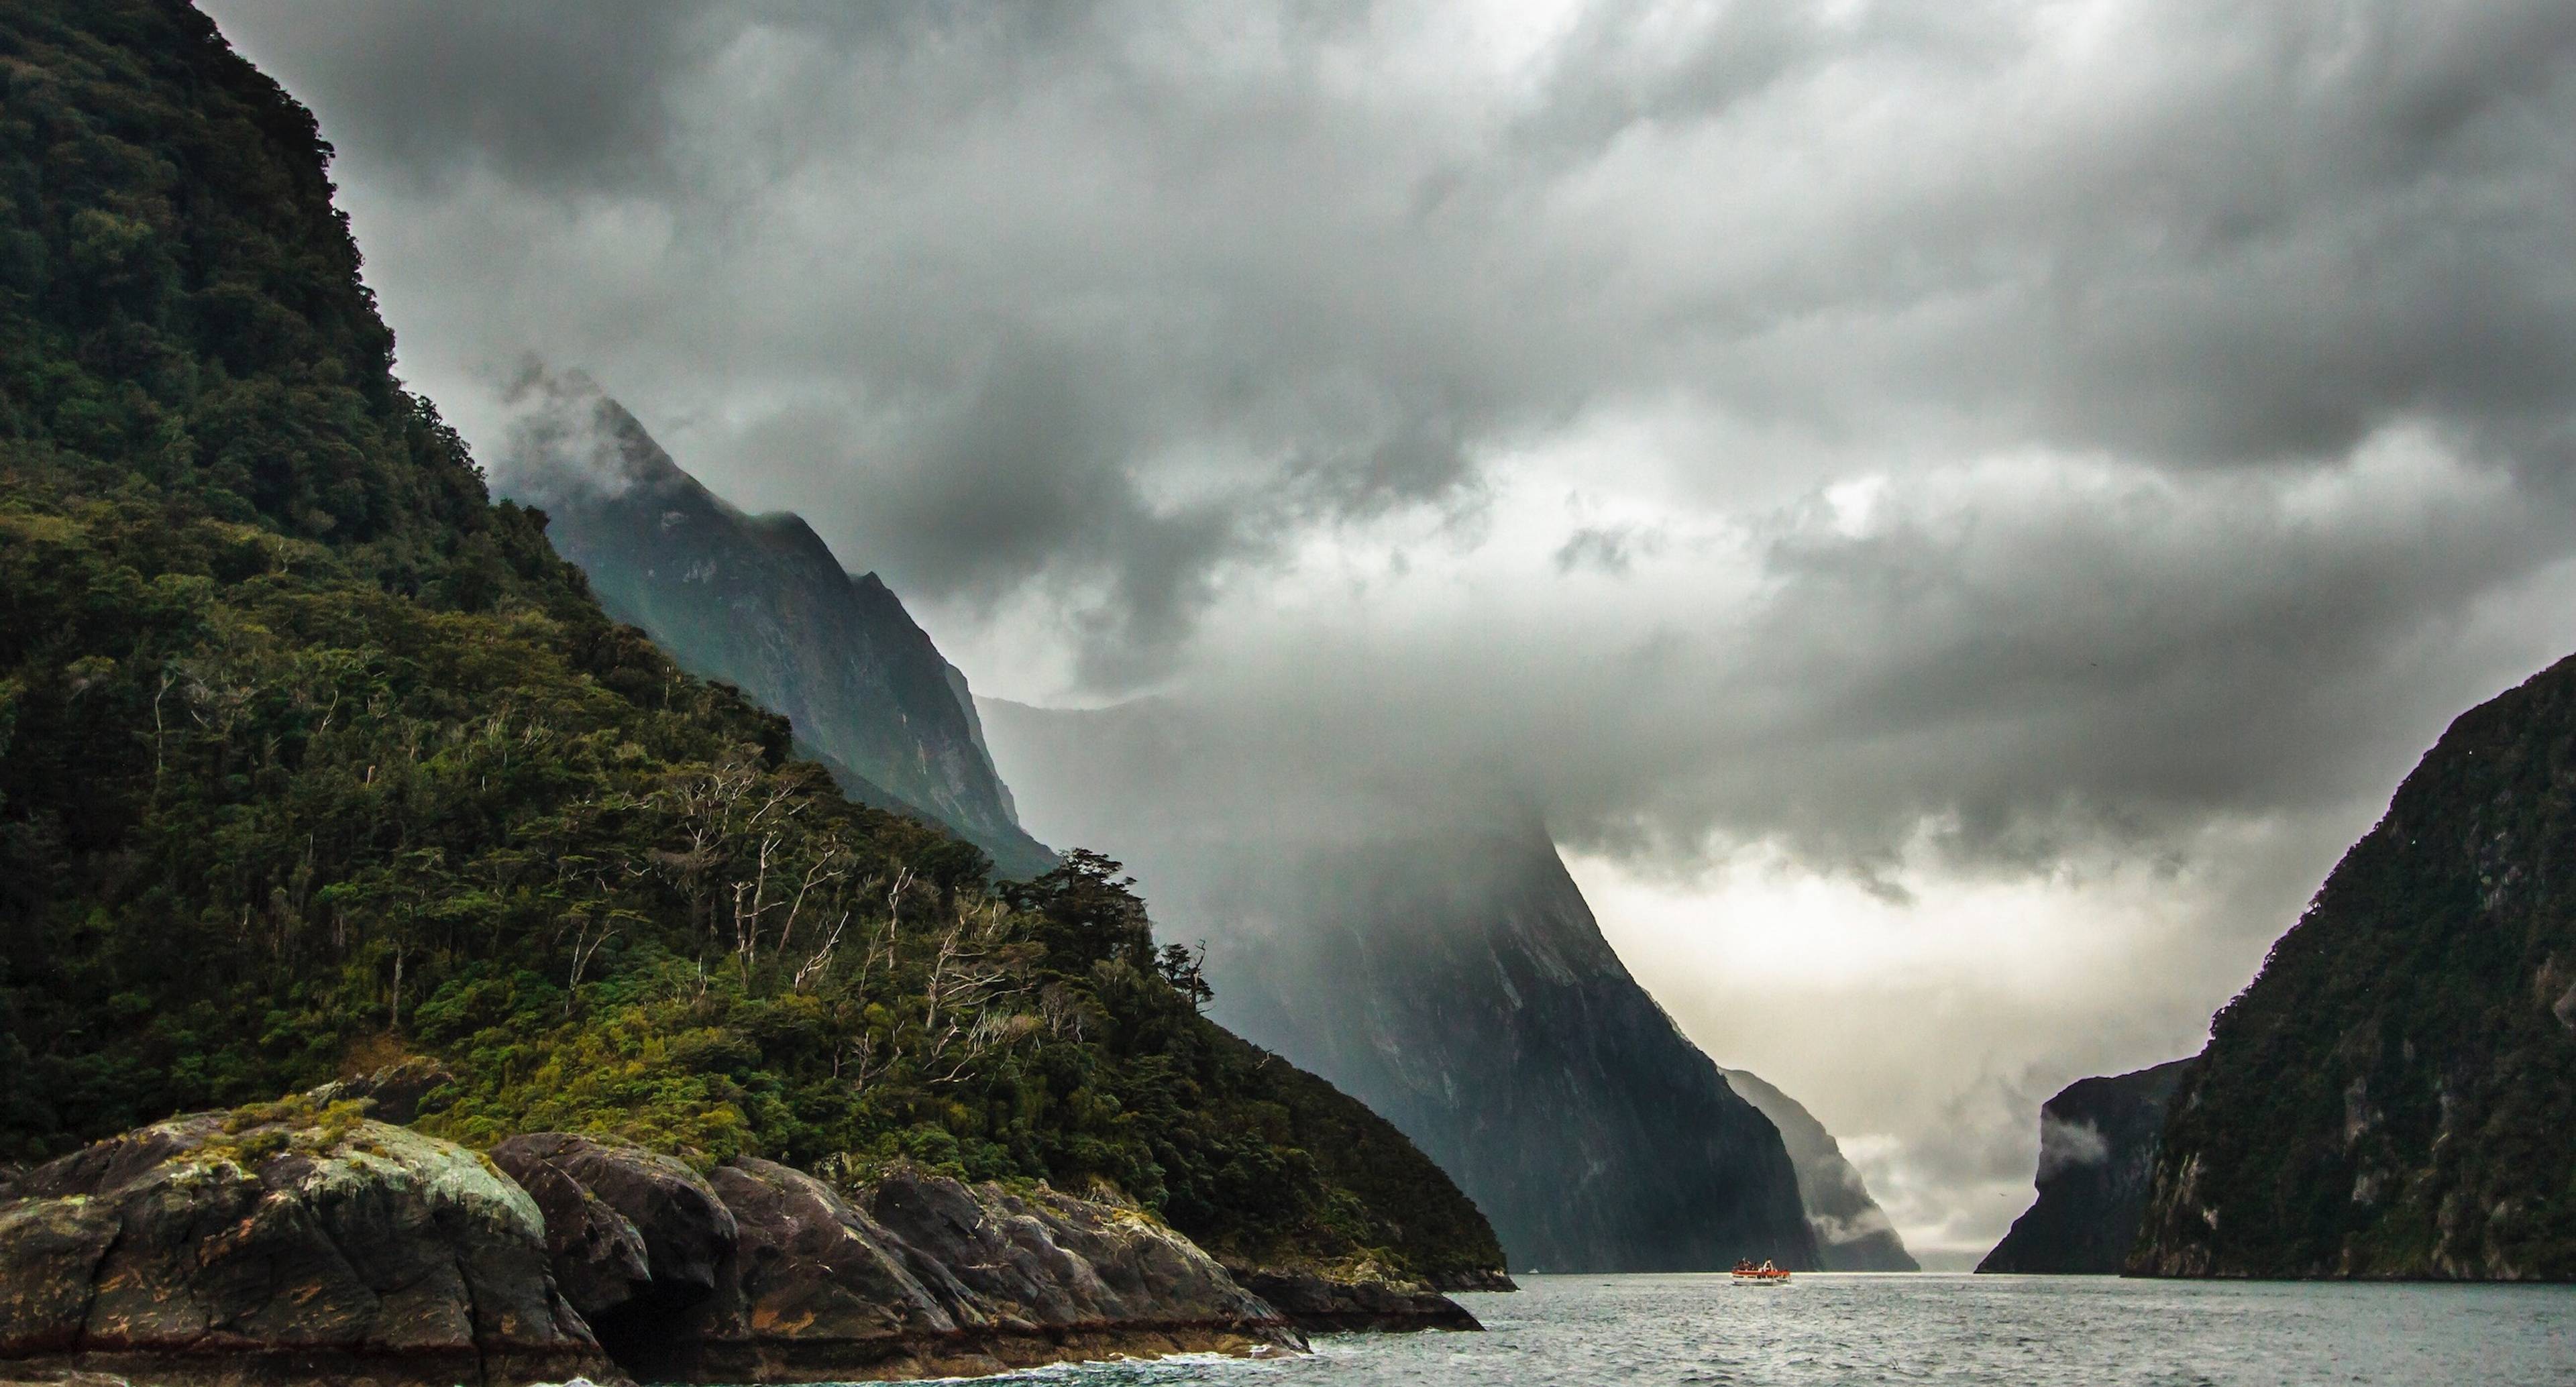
(886,938)
(584,948)
(821,958)
(968,983)
(1062,1011)
(995,1029)
(868,1060)
(829,865)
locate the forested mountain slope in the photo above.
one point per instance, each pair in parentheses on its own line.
(311,757)
(2394,1094)
(760,603)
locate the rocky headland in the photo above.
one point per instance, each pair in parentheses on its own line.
(2098,1140)
(305,1242)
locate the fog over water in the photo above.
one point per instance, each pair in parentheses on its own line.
(1952,515)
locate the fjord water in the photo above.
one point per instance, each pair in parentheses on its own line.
(2013,1331)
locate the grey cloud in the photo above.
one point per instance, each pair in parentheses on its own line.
(2214,363)
(568,99)
(1604,548)
(1045,269)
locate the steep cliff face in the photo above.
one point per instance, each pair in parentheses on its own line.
(1852,1232)
(2392,1097)
(760,603)
(1452,978)
(2097,1147)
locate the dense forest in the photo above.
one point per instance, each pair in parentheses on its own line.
(2394,1094)
(312,758)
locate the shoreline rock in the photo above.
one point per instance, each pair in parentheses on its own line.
(302,1243)
(761,1273)
(1374,1304)
(282,1244)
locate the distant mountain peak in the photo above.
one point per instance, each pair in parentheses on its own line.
(1443,966)
(1852,1232)
(570,444)
(761,602)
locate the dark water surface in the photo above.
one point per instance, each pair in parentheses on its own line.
(2036,1330)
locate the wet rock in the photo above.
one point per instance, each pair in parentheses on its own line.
(1345,1303)
(819,1291)
(1050,1262)
(605,1202)
(974,1280)
(597,1256)
(686,1230)
(283,1244)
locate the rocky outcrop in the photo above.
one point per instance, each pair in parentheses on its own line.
(818,1290)
(295,1244)
(1039,1275)
(1356,1300)
(1043,1258)
(924,1276)
(609,1206)
(2392,1096)
(1852,1232)
(2097,1147)
(761,1273)
(283,1244)
(761,603)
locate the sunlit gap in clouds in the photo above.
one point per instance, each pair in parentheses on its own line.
(1994,988)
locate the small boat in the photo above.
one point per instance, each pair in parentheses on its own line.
(1747,1274)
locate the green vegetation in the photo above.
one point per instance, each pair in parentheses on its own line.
(2394,1095)
(311,758)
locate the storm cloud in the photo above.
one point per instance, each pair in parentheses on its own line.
(1925,445)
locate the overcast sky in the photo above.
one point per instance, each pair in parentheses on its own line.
(1954,513)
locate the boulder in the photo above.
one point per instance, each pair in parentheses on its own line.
(1347,1301)
(282,1244)
(1044,1268)
(977,1280)
(819,1291)
(597,1256)
(607,1204)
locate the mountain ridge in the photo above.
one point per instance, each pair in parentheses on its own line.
(1852,1232)
(762,603)
(1449,971)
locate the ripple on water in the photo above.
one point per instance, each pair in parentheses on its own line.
(1961,1331)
